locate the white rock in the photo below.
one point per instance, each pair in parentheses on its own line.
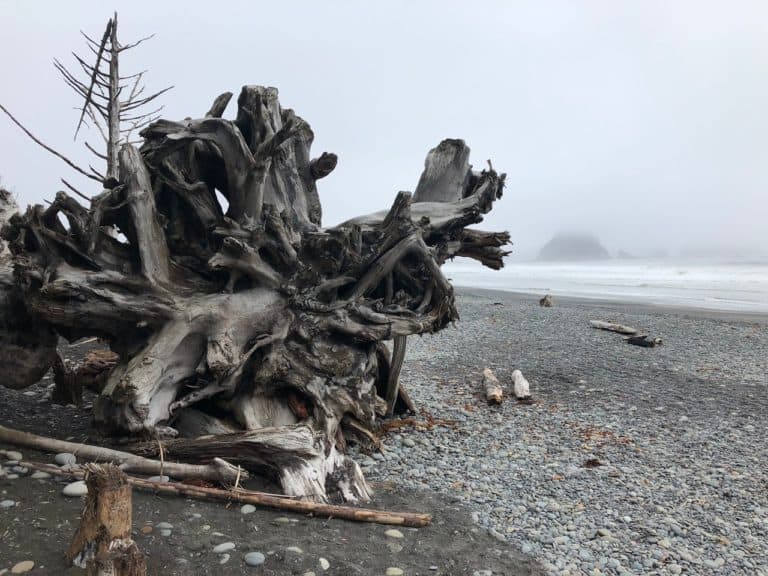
(13,455)
(224,559)
(294,550)
(74,489)
(40,475)
(23,567)
(393,571)
(223,547)
(324,564)
(7,504)
(254,558)
(392,533)
(65,459)
(247,509)
(521,386)
(164,526)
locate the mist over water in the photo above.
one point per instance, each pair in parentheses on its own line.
(703,284)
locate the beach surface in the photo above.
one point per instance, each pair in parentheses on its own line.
(629,460)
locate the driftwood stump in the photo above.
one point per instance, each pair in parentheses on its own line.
(231,309)
(103,544)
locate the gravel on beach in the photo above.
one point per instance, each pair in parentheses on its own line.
(631,460)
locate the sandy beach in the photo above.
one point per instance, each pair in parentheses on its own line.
(630,460)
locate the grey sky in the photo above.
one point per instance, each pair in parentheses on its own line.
(644,121)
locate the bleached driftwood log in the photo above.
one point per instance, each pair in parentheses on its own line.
(612,327)
(521,386)
(243,317)
(217,470)
(493,390)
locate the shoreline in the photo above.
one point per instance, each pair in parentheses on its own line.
(624,306)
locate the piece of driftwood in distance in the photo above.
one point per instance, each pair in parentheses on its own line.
(521,386)
(493,390)
(410,519)
(103,544)
(612,327)
(217,470)
(644,341)
(546,301)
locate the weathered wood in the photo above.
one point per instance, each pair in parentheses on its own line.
(644,341)
(521,386)
(494,393)
(103,544)
(612,327)
(217,471)
(546,301)
(232,311)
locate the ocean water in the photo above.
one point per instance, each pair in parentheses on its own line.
(728,286)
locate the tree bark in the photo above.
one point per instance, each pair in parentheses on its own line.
(103,544)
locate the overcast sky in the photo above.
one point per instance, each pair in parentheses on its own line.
(646,122)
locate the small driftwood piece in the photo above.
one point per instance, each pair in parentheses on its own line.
(612,327)
(546,302)
(103,544)
(410,519)
(644,341)
(217,470)
(493,390)
(521,386)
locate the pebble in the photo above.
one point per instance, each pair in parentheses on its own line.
(14,456)
(65,459)
(23,567)
(247,509)
(394,533)
(394,571)
(7,504)
(294,550)
(224,558)
(254,558)
(40,475)
(324,564)
(74,489)
(164,526)
(223,547)
(165,532)
(410,442)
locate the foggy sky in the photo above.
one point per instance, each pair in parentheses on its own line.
(645,122)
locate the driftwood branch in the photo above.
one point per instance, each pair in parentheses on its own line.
(612,327)
(217,471)
(355,514)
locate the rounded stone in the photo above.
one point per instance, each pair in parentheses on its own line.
(65,459)
(324,564)
(394,571)
(40,475)
(23,567)
(294,550)
(74,489)
(247,509)
(7,504)
(14,456)
(224,558)
(223,547)
(394,533)
(164,526)
(254,558)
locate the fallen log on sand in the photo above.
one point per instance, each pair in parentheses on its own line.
(410,519)
(493,390)
(217,470)
(611,327)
